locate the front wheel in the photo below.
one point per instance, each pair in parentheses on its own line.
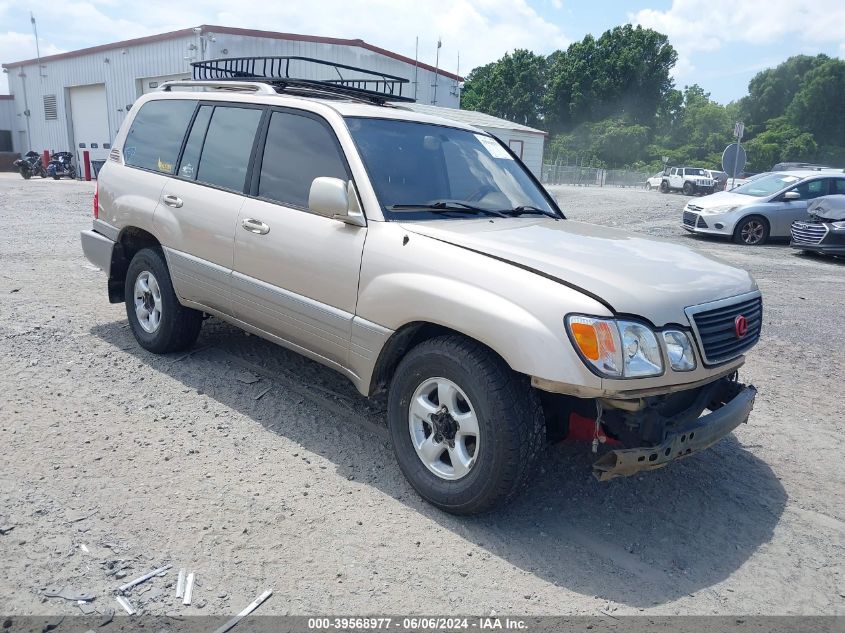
(648,186)
(159,322)
(752,231)
(689,189)
(25,173)
(468,432)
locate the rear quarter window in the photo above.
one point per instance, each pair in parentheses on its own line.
(156,134)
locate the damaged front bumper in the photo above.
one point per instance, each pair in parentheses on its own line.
(686,438)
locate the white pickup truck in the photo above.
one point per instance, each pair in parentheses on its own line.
(689,180)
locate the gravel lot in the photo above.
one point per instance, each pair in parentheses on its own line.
(147,460)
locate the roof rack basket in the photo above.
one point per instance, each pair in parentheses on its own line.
(339,79)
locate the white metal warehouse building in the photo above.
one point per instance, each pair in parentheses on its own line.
(79,99)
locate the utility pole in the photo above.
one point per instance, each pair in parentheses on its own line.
(416,65)
(436,71)
(37,47)
(26,112)
(739,130)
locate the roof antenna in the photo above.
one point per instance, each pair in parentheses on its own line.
(436,71)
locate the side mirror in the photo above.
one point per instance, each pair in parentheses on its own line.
(337,199)
(792,195)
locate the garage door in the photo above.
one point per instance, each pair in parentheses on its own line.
(90,120)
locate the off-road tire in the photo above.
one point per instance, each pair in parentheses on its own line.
(744,227)
(688,189)
(179,326)
(664,186)
(510,419)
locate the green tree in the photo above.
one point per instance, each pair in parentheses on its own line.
(819,106)
(511,88)
(624,73)
(780,141)
(771,91)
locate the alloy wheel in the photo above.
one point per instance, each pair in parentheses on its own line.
(752,232)
(148,302)
(444,428)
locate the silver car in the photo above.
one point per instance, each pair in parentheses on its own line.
(418,257)
(762,208)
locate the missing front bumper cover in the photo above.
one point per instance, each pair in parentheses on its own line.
(687,439)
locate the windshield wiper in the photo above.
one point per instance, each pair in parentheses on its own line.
(529,210)
(451,207)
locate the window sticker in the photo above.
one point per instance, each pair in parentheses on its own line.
(496,150)
(166,167)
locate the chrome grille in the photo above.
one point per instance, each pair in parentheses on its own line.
(715,327)
(808,232)
(694,207)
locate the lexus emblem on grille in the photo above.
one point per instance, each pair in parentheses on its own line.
(741,326)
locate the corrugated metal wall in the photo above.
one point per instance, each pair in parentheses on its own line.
(122,69)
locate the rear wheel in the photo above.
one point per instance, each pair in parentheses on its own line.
(26,173)
(648,186)
(159,322)
(752,231)
(688,189)
(664,186)
(468,432)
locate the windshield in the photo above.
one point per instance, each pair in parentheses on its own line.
(766,185)
(458,172)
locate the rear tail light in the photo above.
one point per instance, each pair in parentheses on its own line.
(97,201)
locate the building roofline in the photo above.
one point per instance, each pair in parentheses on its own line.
(230,30)
(5,97)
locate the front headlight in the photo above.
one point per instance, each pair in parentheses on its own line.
(838,225)
(725,208)
(640,351)
(679,350)
(616,349)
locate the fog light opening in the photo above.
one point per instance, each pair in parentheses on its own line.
(719,225)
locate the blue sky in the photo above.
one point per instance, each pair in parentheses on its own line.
(721,43)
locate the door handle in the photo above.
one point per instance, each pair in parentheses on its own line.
(172,201)
(255,226)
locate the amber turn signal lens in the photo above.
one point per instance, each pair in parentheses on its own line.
(586,339)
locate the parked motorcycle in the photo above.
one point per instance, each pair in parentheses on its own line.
(61,164)
(30,165)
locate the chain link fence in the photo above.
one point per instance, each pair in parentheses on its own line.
(556,174)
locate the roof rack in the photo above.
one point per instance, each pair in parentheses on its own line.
(356,83)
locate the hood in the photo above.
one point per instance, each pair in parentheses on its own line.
(831,208)
(721,198)
(633,274)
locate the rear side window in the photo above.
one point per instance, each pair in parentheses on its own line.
(838,186)
(298,150)
(154,140)
(191,155)
(228,147)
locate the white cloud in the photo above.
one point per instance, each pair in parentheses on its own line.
(481,30)
(700,26)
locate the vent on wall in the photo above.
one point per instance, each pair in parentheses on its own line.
(51,110)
